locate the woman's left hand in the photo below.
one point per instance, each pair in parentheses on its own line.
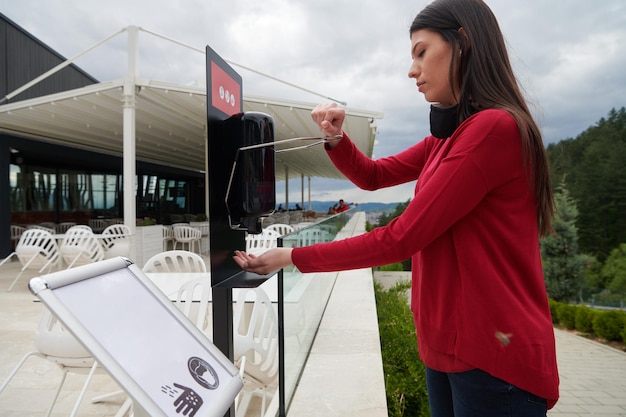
(270,261)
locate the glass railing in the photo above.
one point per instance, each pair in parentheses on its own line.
(302,301)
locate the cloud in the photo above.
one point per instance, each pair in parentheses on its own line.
(569,55)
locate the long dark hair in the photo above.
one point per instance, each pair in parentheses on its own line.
(487,81)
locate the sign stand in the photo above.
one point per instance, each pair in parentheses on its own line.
(160,358)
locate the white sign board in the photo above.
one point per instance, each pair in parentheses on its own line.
(167,365)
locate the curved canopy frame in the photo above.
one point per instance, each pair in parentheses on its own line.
(164,123)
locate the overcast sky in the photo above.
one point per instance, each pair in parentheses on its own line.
(569,56)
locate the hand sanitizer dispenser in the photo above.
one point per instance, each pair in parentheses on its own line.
(251,191)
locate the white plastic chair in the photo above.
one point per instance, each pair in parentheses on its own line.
(281,228)
(168,238)
(266,221)
(204,233)
(258,243)
(62,227)
(98,225)
(40,227)
(310,236)
(270,233)
(16,233)
(82,226)
(80,247)
(117,242)
(186,235)
(255,343)
(175,261)
(55,344)
(193,299)
(36,249)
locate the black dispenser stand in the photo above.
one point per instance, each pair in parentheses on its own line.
(224,99)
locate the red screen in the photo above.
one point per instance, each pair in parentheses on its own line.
(225,92)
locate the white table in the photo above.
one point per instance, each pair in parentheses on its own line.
(170,282)
(60,236)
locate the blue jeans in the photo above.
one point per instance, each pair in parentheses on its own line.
(477,394)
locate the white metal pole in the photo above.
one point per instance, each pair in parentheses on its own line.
(309,178)
(129,158)
(286,187)
(302,191)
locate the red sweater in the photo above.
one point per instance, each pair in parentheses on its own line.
(478,293)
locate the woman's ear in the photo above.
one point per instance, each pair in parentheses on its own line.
(465,43)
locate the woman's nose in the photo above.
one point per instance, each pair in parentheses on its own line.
(413,70)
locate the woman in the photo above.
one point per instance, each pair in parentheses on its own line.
(482,200)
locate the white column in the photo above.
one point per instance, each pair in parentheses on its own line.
(309,178)
(286,187)
(130,160)
(302,191)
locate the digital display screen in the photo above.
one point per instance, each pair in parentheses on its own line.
(225,91)
(225,96)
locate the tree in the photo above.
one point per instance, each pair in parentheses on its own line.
(594,281)
(614,270)
(384,219)
(592,166)
(562,264)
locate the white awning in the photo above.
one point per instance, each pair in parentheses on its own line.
(170,124)
(141,119)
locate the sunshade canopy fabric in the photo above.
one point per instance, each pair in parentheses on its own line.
(170,123)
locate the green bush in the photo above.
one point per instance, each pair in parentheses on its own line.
(584,319)
(391,267)
(609,325)
(554,305)
(405,375)
(567,315)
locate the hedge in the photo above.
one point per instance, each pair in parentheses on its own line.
(405,374)
(405,380)
(567,315)
(584,319)
(609,325)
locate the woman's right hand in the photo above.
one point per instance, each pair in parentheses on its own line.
(329,118)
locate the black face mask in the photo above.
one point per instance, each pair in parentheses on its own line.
(443,122)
